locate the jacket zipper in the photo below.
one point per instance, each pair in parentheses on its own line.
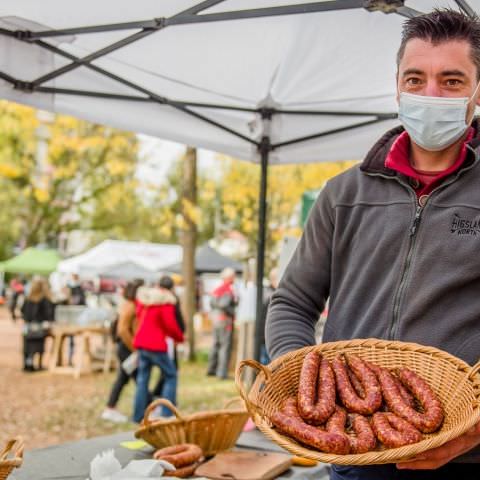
(406,270)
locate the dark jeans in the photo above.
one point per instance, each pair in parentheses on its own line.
(146,360)
(122,376)
(157,391)
(451,471)
(219,357)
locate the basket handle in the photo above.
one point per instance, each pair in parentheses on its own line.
(155,404)
(473,371)
(233,401)
(238,379)
(13,449)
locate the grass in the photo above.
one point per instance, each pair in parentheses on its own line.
(49,409)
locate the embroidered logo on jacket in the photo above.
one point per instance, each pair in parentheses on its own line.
(463,226)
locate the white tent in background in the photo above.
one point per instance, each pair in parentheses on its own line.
(121,259)
(263,80)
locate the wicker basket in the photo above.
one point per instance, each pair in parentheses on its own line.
(11,457)
(213,431)
(456,383)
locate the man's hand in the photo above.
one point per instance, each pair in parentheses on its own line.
(436,457)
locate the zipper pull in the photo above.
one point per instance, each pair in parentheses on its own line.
(416,221)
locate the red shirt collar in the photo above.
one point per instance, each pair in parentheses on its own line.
(398,159)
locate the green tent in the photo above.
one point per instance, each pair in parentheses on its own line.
(32,261)
(308,199)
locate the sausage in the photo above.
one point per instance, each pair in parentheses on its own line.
(184,472)
(180,455)
(364,439)
(431,404)
(373,396)
(289,421)
(316,389)
(394,431)
(357,386)
(404,393)
(426,422)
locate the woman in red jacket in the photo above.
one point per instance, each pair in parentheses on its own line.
(156,317)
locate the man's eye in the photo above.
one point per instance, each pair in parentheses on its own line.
(453,82)
(413,81)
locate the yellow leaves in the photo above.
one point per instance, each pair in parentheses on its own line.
(9,171)
(117,168)
(41,195)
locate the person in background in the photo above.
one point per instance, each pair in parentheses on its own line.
(167,282)
(77,293)
(16,291)
(267,296)
(223,302)
(76,296)
(156,316)
(37,312)
(126,327)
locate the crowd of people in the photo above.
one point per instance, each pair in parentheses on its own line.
(147,328)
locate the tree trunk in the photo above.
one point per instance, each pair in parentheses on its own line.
(189,241)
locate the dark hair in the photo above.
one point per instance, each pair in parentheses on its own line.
(166,282)
(131,288)
(443,25)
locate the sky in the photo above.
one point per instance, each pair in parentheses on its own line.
(159,155)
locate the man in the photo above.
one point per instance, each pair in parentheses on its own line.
(393,243)
(223,303)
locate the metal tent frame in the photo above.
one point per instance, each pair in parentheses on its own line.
(189,16)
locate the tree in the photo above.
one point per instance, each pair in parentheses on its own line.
(88,168)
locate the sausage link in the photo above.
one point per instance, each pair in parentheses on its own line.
(426,422)
(357,386)
(394,431)
(373,396)
(180,455)
(184,472)
(405,394)
(316,389)
(433,416)
(364,439)
(289,421)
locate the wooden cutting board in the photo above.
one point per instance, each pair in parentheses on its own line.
(245,465)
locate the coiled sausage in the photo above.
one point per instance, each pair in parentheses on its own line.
(394,431)
(354,403)
(426,422)
(180,455)
(316,389)
(289,421)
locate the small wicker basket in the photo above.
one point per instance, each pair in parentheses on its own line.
(11,457)
(213,431)
(456,383)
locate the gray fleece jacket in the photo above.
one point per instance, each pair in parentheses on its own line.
(391,268)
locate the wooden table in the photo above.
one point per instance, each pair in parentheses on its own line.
(83,361)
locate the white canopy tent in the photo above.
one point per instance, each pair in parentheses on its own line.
(265,80)
(115,258)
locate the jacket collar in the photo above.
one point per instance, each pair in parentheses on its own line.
(374,161)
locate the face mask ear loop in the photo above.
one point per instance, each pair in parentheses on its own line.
(469,100)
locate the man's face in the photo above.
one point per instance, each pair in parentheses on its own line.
(443,70)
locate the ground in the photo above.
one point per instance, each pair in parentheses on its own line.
(47,409)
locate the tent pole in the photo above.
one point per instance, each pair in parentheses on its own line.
(264,152)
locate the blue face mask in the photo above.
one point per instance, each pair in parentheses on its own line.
(434,123)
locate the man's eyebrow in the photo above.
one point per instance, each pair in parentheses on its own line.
(452,73)
(412,71)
